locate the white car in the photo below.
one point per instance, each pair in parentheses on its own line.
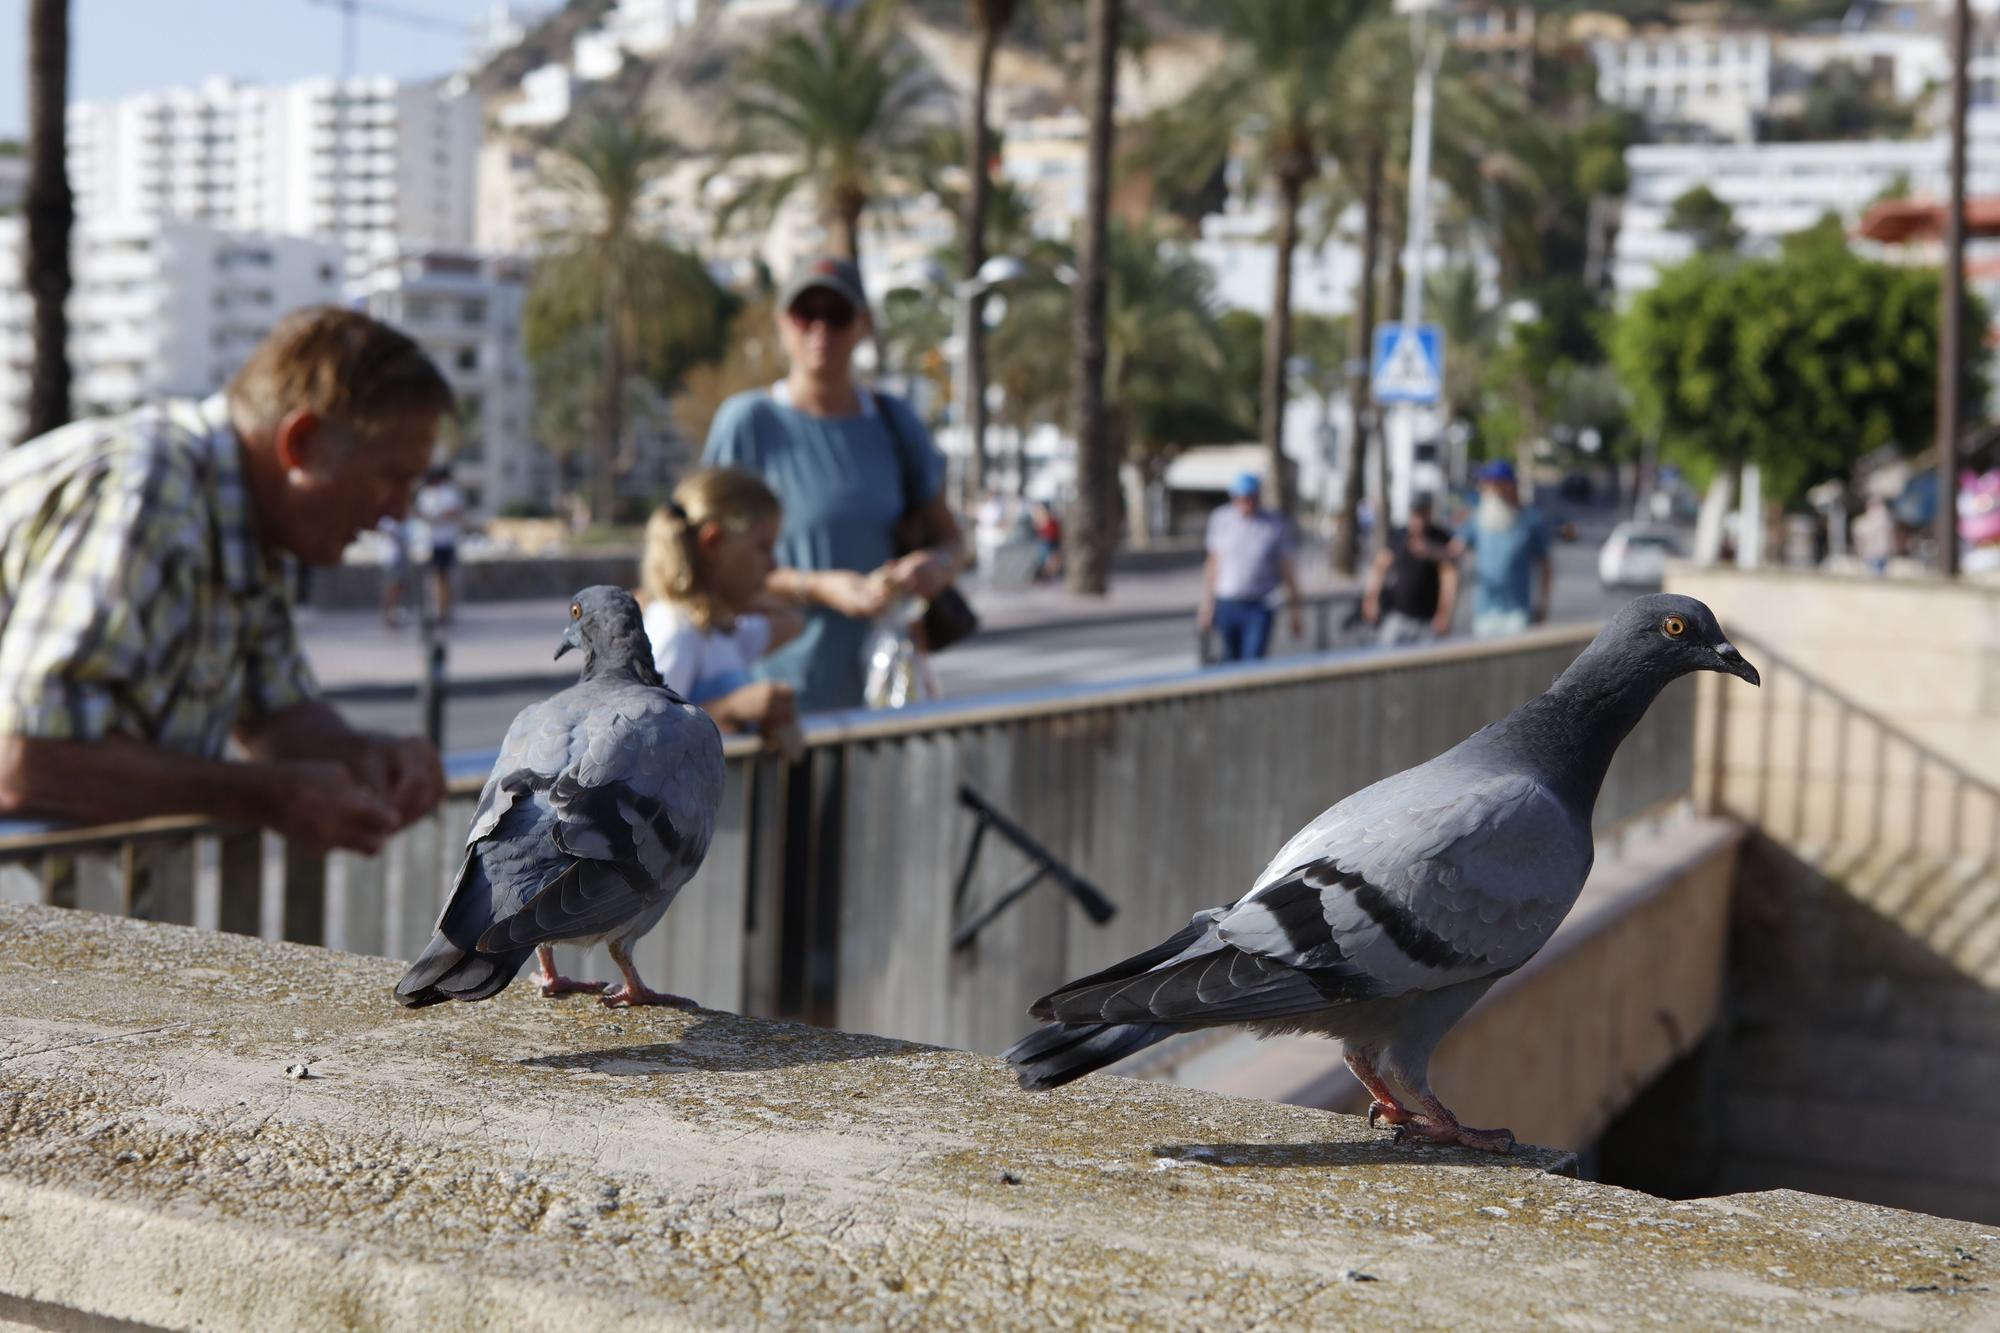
(1635,555)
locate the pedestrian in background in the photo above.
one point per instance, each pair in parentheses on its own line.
(396,568)
(441,505)
(1249,558)
(145,621)
(851,467)
(708,617)
(1512,573)
(1413,584)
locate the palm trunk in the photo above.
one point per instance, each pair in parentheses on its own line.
(1278,341)
(1091,533)
(979,134)
(50,210)
(847,230)
(1347,553)
(604,473)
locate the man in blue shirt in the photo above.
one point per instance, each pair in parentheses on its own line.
(1249,556)
(1512,573)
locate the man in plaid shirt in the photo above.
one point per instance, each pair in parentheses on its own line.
(145,620)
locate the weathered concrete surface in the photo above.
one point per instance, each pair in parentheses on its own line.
(527,1160)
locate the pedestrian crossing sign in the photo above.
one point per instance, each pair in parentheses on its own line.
(1409,364)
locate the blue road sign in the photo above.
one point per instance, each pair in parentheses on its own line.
(1409,367)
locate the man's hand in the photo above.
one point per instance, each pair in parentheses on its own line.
(1295,617)
(1371,609)
(404,771)
(862,596)
(1204,619)
(321,806)
(1441,624)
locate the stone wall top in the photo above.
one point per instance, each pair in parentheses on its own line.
(527,1159)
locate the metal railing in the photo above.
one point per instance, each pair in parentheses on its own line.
(833,886)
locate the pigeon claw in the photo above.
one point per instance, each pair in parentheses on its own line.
(1388,1112)
(629,996)
(553,985)
(1423,1129)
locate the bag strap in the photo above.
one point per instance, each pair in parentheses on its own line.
(906,454)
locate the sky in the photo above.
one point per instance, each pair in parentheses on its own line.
(129,46)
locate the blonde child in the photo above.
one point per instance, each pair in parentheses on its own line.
(708,553)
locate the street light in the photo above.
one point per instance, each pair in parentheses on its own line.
(1427,45)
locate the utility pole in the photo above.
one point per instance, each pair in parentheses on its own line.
(1427,51)
(1951,309)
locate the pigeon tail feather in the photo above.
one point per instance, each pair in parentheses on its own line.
(1059,1053)
(446,972)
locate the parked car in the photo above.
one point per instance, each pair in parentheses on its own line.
(1635,555)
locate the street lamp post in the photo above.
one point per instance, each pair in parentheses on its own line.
(995,271)
(1951,309)
(1427,43)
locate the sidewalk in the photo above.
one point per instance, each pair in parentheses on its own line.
(512,642)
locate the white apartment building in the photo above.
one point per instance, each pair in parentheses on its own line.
(1712,79)
(159,309)
(381,166)
(1775,189)
(464,310)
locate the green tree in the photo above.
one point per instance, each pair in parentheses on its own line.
(837,103)
(1271,90)
(610,303)
(1843,102)
(1706,219)
(1800,363)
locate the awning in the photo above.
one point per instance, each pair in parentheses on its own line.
(1211,467)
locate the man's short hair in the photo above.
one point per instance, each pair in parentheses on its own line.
(343,367)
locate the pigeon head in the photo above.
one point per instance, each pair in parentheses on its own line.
(1666,635)
(606,623)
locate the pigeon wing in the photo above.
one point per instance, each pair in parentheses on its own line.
(628,820)
(1423,881)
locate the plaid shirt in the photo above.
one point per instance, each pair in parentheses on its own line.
(134,596)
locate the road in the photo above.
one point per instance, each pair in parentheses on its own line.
(1021,659)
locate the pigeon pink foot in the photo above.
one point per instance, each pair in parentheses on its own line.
(1436,1124)
(630,995)
(553,983)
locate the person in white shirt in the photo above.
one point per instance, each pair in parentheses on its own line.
(441,505)
(708,615)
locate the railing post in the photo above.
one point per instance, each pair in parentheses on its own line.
(305,895)
(240,882)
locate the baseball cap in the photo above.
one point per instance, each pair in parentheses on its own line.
(1497,470)
(1246,483)
(840,276)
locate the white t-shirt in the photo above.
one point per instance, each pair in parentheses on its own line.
(700,665)
(442,507)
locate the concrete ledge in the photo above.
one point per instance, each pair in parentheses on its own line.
(527,1160)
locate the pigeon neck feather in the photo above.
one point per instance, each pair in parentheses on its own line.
(621,657)
(1574,728)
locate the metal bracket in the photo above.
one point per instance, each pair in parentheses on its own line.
(1040,864)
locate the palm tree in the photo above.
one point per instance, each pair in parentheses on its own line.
(1089,535)
(989,19)
(1272,85)
(836,103)
(51,211)
(608,294)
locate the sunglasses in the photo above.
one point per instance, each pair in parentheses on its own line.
(835,314)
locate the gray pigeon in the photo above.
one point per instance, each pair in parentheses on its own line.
(599,809)
(1386,918)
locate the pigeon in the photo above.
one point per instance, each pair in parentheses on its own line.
(1385,919)
(598,810)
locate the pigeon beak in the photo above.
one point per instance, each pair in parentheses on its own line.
(1733,663)
(570,639)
